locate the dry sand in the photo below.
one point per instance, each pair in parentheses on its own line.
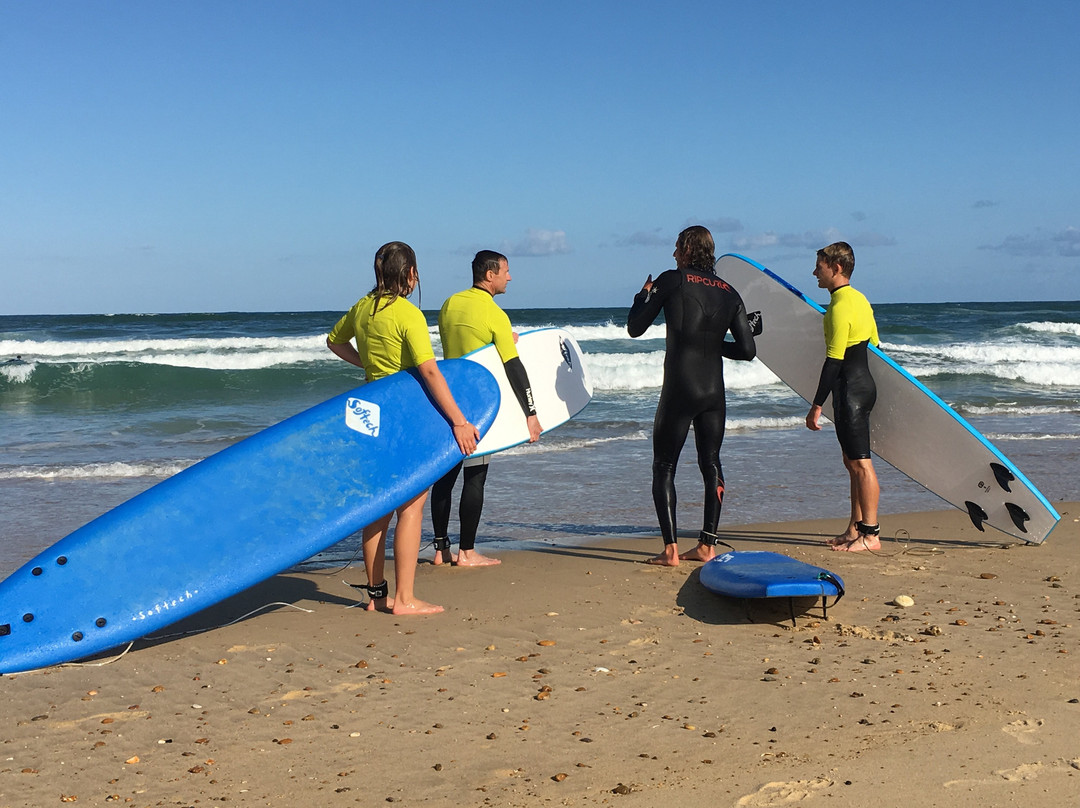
(577,676)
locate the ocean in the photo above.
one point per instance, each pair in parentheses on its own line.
(103,407)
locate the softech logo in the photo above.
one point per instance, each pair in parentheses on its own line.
(362,416)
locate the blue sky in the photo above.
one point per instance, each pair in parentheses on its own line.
(251,156)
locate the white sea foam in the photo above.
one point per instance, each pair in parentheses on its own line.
(1070,329)
(1007,436)
(548,445)
(1042,365)
(645,371)
(1012,408)
(17,373)
(226,353)
(92,471)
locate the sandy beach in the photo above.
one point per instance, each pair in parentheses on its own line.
(579,676)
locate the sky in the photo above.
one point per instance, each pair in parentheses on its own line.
(216,155)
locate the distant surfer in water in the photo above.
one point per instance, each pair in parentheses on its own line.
(468,321)
(392,334)
(700,309)
(849,328)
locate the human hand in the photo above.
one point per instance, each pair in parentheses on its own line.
(467,436)
(812,419)
(534,428)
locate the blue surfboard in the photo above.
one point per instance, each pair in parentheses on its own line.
(911,428)
(761,574)
(236,518)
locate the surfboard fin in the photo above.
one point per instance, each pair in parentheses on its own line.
(1018,514)
(977,514)
(1003,476)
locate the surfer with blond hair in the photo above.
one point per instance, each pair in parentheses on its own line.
(845,375)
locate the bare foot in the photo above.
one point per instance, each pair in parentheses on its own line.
(380,605)
(703,552)
(859,544)
(443,556)
(668,558)
(415,607)
(847,537)
(471,558)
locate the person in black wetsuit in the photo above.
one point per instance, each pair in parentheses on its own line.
(700,309)
(845,375)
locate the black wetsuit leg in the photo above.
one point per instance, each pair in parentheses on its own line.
(854,396)
(709,436)
(472,504)
(670,427)
(442,496)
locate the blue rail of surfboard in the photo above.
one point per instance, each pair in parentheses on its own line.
(933,396)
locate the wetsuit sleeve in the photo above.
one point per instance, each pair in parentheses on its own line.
(830,372)
(744,346)
(519,383)
(647,305)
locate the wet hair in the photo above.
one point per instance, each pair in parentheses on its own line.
(839,252)
(394,264)
(484,262)
(698,248)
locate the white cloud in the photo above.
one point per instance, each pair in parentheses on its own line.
(538,242)
(755,241)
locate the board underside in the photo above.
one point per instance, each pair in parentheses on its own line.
(236,518)
(911,428)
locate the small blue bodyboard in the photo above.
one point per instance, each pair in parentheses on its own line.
(236,518)
(760,574)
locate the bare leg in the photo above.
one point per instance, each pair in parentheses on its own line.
(406,549)
(374,541)
(865,493)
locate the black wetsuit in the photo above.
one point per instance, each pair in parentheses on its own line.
(699,309)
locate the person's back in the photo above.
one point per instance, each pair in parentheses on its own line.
(699,311)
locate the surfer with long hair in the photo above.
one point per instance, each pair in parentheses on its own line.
(391,334)
(700,309)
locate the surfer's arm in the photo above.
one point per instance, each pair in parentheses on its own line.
(465,433)
(647,305)
(519,383)
(744,346)
(346,351)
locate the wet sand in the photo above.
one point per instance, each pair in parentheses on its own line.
(580,676)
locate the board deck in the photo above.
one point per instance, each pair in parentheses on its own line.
(761,574)
(560,384)
(236,518)
(911,428)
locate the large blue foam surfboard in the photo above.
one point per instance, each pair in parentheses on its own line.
(560,383)
(236,518)
(911,428)
(761,574)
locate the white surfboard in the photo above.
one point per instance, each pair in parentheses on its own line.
(911,428)
(559,379)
